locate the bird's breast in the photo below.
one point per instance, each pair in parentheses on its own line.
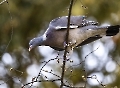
(56,39)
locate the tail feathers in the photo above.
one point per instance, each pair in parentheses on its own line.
(112,30)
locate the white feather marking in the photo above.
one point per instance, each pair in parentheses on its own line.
(44,37)
(89,29)
(71,26)
(59,27)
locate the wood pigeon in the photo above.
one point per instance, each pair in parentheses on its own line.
(82,31)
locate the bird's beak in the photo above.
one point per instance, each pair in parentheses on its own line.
(30,48)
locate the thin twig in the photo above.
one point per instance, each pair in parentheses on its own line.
(67,37)
(72,86)
(39,74)
(95,77)
(52,73)
(11,18)
(52,80)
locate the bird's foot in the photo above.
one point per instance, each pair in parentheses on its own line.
(73,44)
(70,44)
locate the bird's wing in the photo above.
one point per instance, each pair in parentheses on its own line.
(75,22)
(89,40)
(56,48)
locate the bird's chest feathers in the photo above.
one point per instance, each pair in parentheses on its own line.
(56,38)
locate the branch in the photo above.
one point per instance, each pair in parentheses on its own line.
(72,86)
(67,37)
(2,2)
(11,18)
(40,81)
(39,74)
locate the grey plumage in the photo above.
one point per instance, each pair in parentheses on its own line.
(82,31)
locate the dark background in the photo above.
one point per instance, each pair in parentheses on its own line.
(30,18)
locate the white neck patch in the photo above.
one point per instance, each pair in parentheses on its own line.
(44,37)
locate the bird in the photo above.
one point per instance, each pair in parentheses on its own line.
(81,32)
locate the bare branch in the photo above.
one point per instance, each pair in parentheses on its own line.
(53,80)
(67,37)
(11,18)
(72,86)
(2,2)
(39,74)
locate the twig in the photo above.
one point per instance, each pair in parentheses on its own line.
(2,2)
(11,18)
(67,36)
(40,81)
(95,77)
(39,74)
(52,73)
(72,86)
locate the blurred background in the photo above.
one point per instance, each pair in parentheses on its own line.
(30,18)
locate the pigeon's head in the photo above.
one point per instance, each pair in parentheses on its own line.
(35,42)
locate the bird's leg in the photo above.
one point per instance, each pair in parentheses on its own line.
(71,44)
(65,44)
(69,48)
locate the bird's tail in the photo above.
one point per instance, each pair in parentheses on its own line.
(112,30)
